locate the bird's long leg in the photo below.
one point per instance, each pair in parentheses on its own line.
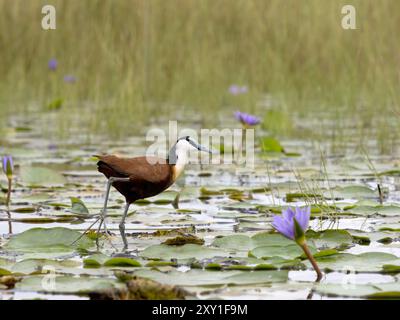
(122,226)
(103,214)
(110,182)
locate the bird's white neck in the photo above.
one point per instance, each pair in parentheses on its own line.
(179,157)
(180,164)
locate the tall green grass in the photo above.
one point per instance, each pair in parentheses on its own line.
(135,60)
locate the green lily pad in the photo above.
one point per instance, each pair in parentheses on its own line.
(187,251)
(78,207)
(238,242)
(349,290)
(240,206)
(293,197)
(375,291)
(37,176)
(243,242)
(389,227)
(95,260)
(122,262)
(29,266)
(339,239)
(4,272)
(382,210)
(166,197)
(351,192)
(273,239)
(67,284)
(25,210)
(269,144)
(289,252)
(48,240)
(364,262)
(386,295)
(198,277)
(391,268)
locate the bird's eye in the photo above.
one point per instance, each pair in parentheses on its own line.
(187,138)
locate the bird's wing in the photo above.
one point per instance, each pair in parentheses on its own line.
(149,169)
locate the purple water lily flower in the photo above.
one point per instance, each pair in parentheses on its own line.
(8,165)
(69,78)
(236,89)
(293,224)
(52,64)
(52,146)
(285,223)
(247,119)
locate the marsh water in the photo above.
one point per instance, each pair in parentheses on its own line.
(222,213)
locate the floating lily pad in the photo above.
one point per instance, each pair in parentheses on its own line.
(187,251)
(238,242)
(389,227)
(78,207)
(4,272)
(166,197)
(241,206)
(66,284)
(375,291)
(345,290)
(354,192)
(48,240)
(391,268)
(364,262)
(36,265)
(269,144)
(382,210)
(291,251)
(293,197)
(25,210)
(243,242)
(339,239)
(37,176)
(122,262)
(95,260)
(198,277)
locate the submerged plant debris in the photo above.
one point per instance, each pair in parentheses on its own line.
(208,236)
(138,288)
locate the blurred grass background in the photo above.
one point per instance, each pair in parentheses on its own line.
(135,60)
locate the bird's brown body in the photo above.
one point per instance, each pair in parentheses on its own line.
(148,176)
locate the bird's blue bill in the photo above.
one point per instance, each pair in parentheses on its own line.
(199,146)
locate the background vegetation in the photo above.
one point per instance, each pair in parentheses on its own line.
(135,60)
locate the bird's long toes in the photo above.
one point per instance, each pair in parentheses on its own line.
(107,232)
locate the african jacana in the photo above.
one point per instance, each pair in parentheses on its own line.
(143,177)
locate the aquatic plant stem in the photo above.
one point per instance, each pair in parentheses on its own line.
(8,200)
(310,257)
(9,192)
